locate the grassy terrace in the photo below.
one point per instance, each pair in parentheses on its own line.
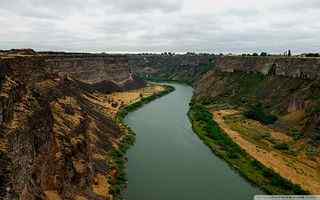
(223,146)
(118,183)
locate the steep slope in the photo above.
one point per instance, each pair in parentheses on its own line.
(55,142)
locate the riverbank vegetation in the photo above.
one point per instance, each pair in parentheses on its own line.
(223,146)
(118,180)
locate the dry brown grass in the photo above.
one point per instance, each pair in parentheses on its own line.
(122,99)
(101,185)
(3,145)
(52,195)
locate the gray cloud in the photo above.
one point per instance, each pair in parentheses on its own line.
(147,5)
(168,25)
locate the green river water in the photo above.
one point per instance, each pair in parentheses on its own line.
(169,161)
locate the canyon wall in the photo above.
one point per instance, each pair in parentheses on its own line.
(294,67)
(91,68)
(103,72)
(188,66)
(55,143)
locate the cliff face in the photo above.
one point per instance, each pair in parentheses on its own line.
(303,68)
(286,87)
(91,68)
(185,68)
(55,142)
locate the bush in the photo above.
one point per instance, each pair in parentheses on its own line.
(257,113)
(297,135)
(263,54)
(69,109)
(282,146)
(312,55)
(114,104)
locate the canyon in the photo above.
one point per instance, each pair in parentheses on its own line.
(61,138)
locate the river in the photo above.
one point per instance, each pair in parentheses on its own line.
(169,161)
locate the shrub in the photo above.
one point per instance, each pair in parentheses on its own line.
(263,54)
(114,104)
(297,135)
(69,109)
(282,146)
(256,112)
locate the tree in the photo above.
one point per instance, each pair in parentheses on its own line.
(312,55)
(263,54)
(255,54)
(289,52)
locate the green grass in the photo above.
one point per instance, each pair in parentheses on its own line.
(220,143)
(118,155)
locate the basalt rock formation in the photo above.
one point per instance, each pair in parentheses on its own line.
(55,142)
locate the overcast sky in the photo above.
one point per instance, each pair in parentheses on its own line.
(161,25)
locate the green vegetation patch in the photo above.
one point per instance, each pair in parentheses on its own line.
(119,164)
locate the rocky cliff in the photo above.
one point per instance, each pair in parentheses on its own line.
(55,143)
(286,87)
(91,68)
